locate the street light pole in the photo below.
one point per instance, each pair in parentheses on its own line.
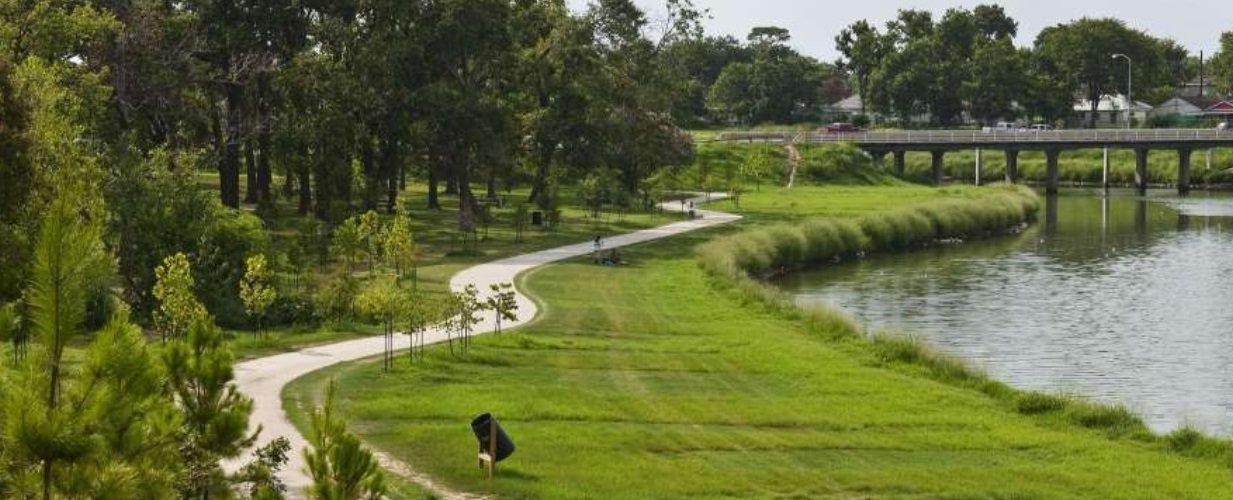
(1130,101)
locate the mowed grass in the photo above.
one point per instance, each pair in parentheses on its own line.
(648,381)
(776,203)
(440,250)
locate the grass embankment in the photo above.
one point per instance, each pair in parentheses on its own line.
(657,380)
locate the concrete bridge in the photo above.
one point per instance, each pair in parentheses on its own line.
(1051,142)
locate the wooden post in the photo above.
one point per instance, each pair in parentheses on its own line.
(492,446)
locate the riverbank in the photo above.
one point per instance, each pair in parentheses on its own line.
(655,379)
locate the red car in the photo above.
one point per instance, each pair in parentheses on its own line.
(839,127)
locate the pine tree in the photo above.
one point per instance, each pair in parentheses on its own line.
(215,414)
(341,468)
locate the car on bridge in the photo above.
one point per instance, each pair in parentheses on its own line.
(839,127)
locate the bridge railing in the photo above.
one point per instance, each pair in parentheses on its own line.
(1095,136)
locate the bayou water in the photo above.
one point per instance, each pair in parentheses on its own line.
(1118,298)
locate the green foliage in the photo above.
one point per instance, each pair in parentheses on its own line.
(336,298)
(1222,64)
(178,306)
(255,288)
(839,164)
(215,414)
(774,248)
(99,428)
(399,244)
(341,468)
(348,242)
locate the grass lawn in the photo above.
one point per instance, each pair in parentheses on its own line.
(647,381)
(440,251)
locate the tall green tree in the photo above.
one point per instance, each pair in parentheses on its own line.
(1222,64)
(1079,52)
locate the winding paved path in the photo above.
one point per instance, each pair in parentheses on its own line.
(263,379)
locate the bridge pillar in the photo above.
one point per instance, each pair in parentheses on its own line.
(937,165)
(1141,170)
(1051,155)
(1183,171)
(879,159)
(1104,172)
(1012,166)
(899,161)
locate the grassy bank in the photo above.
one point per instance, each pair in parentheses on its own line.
(657,379)
(819,239)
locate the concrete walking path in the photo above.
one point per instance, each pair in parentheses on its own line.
(263,379)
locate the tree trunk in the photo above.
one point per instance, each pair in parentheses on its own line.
(492,185)
(388,169)
(229,164)
(264,139)
(372,181)
(434,202)
(250,172)
(306,193)
(539,189)
(1093,96)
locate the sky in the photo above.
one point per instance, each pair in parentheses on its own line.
(1195,24)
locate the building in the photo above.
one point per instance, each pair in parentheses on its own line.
(1110,112)
(1196,107)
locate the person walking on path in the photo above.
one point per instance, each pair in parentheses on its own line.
(599,245)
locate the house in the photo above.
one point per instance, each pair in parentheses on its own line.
(1196,107)
(1110,111)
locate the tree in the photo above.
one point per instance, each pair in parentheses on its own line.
(1079,53)
(400,250)
(996,80)
(101,426)
(348,243)
(863,48)
(341,468)
(503,303)
(215,414)
(383,301)
(178,306)
(757,166)
(1222,64)
(255,288)
(370,234)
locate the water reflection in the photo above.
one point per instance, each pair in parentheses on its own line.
(1121,298)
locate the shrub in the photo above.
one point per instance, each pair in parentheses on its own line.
(292,311)
(1032,403)
(1112,418)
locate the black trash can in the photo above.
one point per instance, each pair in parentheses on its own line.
(481,426)
(537,218)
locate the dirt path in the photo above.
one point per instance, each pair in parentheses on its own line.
(263,379)
(794,160)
